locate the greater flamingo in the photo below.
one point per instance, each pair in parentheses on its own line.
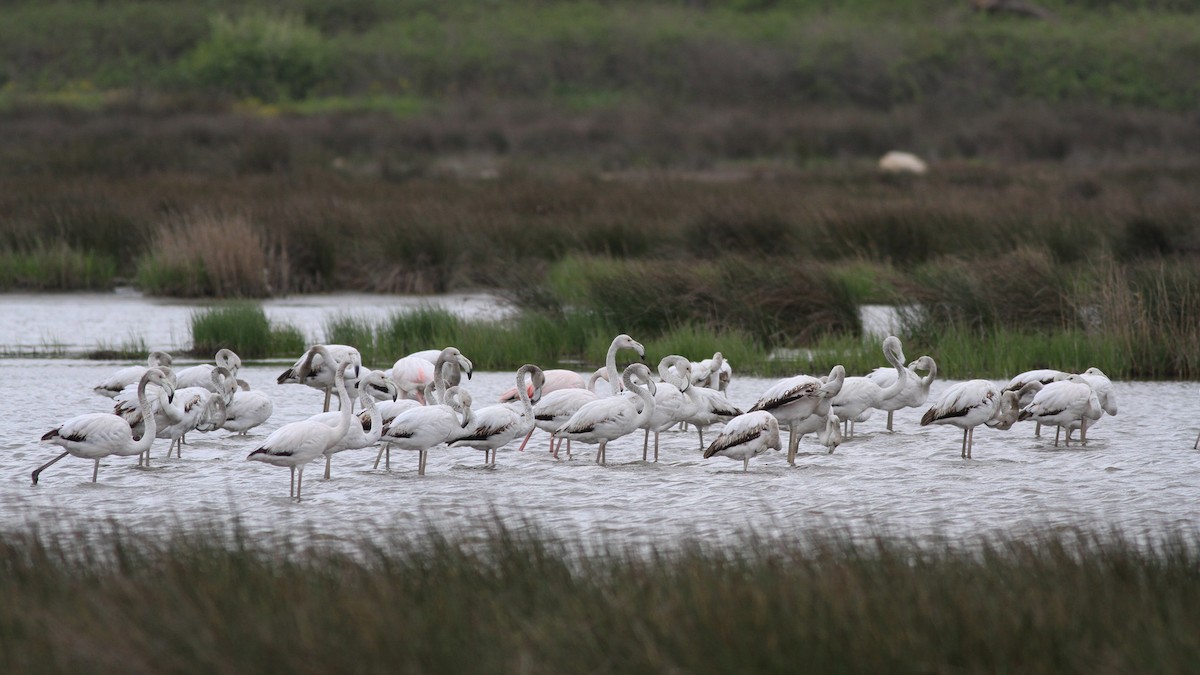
(802,403)
(316,370)
(673,402)
(860,395)
(1018,384)
(411,373)
(201,375)
(296,444)
(606,419)
(916,387)
(424,427)
(747,436)
(965,405)
(494,426)
(1064,402)
(97,435)
(113,384)
(370,422)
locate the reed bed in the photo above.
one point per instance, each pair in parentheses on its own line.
(244,328)
(512,601)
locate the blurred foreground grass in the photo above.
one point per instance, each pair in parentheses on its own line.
(1055,601)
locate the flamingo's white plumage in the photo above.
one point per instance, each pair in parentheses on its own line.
(201,375)
(609,418)
(423,427)
(296,444)
(556,407)
(247,410)
(316,370)
(965,405)
(859,396)
(916,387)
(494,426)
(367,428)
(620,342)
(746,436)
(1018,384)
(131,375)
(713,373)
(1064,402)
(413,372)
(557,379)
(97,435)
(673,400)
(801,403)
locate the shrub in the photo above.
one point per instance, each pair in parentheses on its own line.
(267,57)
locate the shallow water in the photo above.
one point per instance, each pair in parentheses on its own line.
(37,323)
(1137,474)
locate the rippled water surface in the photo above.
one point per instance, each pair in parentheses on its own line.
(1138,473)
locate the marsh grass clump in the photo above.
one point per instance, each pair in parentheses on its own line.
(244,328)
(55,267)
(1043,602)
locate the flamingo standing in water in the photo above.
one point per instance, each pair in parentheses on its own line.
(606,419)
(496,425)
(424,427)
(413,372)
(859,396)
(201,375)
(1064,402)
(966,405)
(1018,384)
(916,388)
(296,444)
(556,407)
(97,435)
(674,401)
(367,432)
(747,436)
(802,403)
(316,369)
(113,384)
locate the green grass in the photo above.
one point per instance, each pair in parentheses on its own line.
(1043,602)
(244,328)
(55,268)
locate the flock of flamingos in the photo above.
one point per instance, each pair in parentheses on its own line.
(422,403)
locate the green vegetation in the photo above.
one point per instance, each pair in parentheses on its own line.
(669,169)
(1050,602)
(245,329)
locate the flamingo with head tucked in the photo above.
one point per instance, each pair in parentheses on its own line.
(747,436)
(802,403)
(966,405)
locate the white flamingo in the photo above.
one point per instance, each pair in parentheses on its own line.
(861,395)
(1064,402)
(317,370)
(494,426)
(189,407)
(606,419)
(201,375)
(424,427)
(559,408)
(296,444)
(746,436)
(367,429)
(916,387)
(1018,384)
(966,405)
(247,410)
(131,375)
(673,400)
(97,435)
(802,403)
(556,407)
(712,408)
(413,372)
(557,379)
